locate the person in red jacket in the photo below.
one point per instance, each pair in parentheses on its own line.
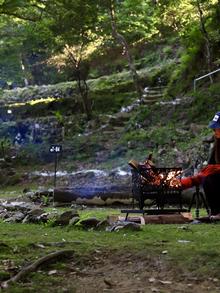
(209,176)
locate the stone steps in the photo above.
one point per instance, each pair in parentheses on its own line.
(153,95)
(151,101)
(116,123)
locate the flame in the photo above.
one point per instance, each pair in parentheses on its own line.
(172,180)
(168,180)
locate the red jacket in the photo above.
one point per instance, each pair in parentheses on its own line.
(199,178)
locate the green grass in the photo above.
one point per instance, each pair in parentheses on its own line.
(8,192)
(190,248)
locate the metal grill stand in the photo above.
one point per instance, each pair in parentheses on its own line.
(199,198)
(161,194)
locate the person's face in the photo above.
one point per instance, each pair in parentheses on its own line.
(217,132)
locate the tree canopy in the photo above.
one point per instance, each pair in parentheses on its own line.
(35,32)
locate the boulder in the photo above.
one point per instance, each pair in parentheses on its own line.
(35,216)
(64,218)
(90,223)
(125,225)
(17,206)
(16,217)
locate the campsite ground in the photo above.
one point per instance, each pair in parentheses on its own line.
(158,258)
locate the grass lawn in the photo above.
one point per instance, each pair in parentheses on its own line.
(184,254)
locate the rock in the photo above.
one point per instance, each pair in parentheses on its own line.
(119,225)
(35,216)
(90,223)
(64,218)
(26,189)
(74,220)
(47,192)
(5,214)
(132,226)
(196,128)
(31,195)
(36,212)
(40,196)
(16,217)
(102,225)
(16,205)
(4,164)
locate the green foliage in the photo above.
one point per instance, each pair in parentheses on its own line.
(80,24)
(4,276)
(139,135)
(32,154)
(139,118)
(168,50)
(112,102)
(59,116)
(6,179)
(157,135)
(5,147)
(133,20)
(208,99)
(185,71)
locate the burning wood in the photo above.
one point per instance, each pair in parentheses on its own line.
(159,184)
(163,177)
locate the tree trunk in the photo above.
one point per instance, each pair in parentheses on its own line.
(206,37)
(82,85)
(121,39)
(83,89)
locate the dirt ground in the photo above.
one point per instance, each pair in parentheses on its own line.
(126,272)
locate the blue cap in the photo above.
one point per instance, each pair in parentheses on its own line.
(215,123)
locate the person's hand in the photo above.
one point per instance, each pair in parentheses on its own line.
(189,182)
(186,183)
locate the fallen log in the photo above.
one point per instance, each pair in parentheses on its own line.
(33,266)
(89,193)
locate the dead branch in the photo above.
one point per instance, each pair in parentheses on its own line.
(33,266)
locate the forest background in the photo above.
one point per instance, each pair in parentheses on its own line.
(109,81)
(87,60)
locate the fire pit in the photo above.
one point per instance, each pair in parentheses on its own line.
(159,185)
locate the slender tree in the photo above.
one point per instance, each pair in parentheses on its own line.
(73,24)
(205,36)
(122,41)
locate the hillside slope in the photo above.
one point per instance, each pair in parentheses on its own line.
(122,127)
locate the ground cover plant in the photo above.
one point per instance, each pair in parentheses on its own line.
(159,258)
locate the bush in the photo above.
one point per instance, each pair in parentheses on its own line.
(31,154)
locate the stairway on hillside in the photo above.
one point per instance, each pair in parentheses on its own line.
(113,128)
(152,95)
(109,132)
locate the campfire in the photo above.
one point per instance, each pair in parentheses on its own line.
(162,177)
(161,185)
